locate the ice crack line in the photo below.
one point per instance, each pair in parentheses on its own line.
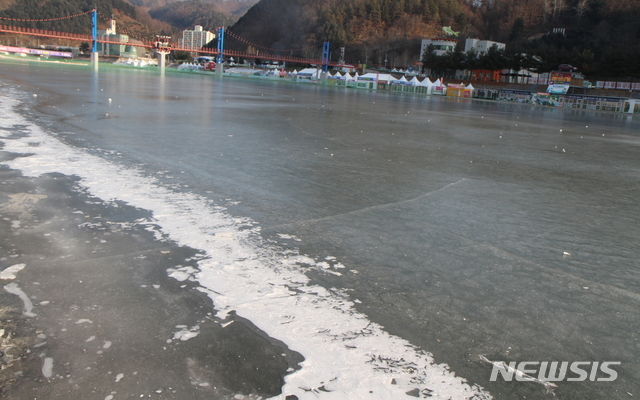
(366,209)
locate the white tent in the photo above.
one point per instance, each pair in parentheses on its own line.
(376,77)
(308,72)
(470,87)
(336,76)
(415,81)
(439,87)
(426,82)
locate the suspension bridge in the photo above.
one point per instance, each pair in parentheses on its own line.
(162,45)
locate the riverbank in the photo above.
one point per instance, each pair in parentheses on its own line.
(590,99)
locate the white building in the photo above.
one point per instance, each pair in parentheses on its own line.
(195,39)
(481,46)
(441,46)
(118,45)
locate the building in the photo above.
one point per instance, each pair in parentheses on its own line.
(481,46)
(195,39)
(441,46)
(119,44)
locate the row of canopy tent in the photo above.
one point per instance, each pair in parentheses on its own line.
(375,77)
(388,78)
(371,77)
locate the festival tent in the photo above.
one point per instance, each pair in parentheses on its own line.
(428,84)
(377,77)
(470,88)
(415,81)
(349,77)
(189,65)
(243,71)
(336,76)
(439,87)
(401,81)
(309,73)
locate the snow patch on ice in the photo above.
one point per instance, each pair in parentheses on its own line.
(28,305)
(185,333)
(47,367)
(181,273)
(10,272)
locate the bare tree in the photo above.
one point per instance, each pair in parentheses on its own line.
(553,8)
(581,7)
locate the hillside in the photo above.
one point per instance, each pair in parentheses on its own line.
(228,7)
(187,14)
(602,37)
(44,9)
(142,19)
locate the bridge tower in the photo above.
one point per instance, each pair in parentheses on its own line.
(220,59)
(325,60)
(325,56)
(94,34)
(163,47)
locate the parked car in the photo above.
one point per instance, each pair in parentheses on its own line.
(567,67)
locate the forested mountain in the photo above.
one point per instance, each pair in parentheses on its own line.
(186,14)
(142,19)
(229,7)
(43,9)
(600,36)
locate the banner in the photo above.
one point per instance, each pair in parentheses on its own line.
(40,52)
(561,77)
(546,99)
(562,88)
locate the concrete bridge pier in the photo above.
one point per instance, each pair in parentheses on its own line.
(94,60)
(162,60)
(632,105)
(162,49)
